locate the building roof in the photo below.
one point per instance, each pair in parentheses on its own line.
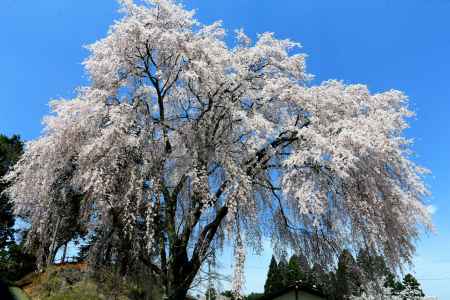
(299,286)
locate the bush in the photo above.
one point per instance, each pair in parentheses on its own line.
(83,290)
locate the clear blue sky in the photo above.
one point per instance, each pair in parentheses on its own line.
(401,44)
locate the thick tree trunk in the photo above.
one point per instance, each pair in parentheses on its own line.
(181,274)
(180,280)
(52,254)
(179,288)
(178,294)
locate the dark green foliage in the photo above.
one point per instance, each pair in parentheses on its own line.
(348,276)
(6,221)
(211,294)
(254,296)
(318,278)
(392,283)
(14,262)
(298,269)
(411,288)
(283,272)
(372,266)
(274,279)
(228,294)
(10,151)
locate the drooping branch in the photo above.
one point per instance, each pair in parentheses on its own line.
(205,238)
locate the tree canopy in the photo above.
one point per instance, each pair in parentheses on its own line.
(182,142)
(10,151)
(14,262)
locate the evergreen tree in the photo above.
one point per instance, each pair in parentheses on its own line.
(283,271)
(294,272)
(348,280)
(14,263)
(411,288)
(372,266)
(254,296)
(10,151)
(298,269)
(228,294)
(304,265)
(395,286)
(318,278)
(274,280)
(330,289)
(211,294)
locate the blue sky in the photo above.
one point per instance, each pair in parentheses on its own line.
(401,44)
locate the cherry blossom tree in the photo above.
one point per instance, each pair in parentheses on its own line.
(182,143)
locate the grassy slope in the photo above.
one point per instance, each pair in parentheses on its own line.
(18,294)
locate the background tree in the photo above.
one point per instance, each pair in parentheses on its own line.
(283,271)
(408,290)
(391,282)
(294,271)
(411,288)
(228,293)
(14,262)
(348,276)
(318,278)
(274,280)
(254,296)
(211,294)
(10,151)
(372,266)
(173,147)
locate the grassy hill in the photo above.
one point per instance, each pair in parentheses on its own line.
(73,282)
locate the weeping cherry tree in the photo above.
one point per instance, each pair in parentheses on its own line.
(182,144)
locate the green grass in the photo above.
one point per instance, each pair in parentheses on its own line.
(81,290)
(18,293)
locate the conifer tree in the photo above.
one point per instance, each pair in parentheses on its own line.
(395,286)
(347,276)
(273,282)
(411,288)
(294,271)
(14,263)
(318,278)
(10,151)
(283,271)
(372,266)
(211,294)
